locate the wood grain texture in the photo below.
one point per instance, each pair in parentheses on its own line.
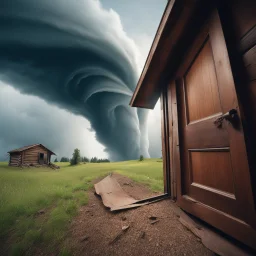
(201,87)
(212,169)
(218,180)
(250,63)
(249,39)
(15,159)
(174,138)
(234,227)
(164,146)
(31,156)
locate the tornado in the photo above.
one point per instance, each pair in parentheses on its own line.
(76,55)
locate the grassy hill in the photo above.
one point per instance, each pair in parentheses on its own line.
(24,192)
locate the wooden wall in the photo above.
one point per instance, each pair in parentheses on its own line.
(15,159)
(242,44)
(30,156)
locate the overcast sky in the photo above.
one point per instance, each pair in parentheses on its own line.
(28,119)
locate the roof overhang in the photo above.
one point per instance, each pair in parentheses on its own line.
(179,19)
(28,147)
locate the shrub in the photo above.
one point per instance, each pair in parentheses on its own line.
(141,157)
(56,160)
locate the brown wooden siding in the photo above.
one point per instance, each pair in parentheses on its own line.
(15,159)
(31,155)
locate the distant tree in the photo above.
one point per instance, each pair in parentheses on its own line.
(141,157)
(85,159)
(94,160)
(104,161)
(99,160)
(64,159)
(76,158)
(56,160)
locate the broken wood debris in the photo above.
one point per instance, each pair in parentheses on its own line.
(115,198)
(142,234)
(124,228)
(84,238)
(153,222)
(119,234)
(50,165)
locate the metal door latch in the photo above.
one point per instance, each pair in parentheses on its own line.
(229,116)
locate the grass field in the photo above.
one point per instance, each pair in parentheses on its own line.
(24,192)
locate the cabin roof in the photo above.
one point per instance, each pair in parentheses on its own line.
(27,147)
(178,20)
(138,98)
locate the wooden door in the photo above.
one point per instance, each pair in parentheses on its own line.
(41,158)
(214,182)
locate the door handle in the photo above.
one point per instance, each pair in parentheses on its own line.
(230,116)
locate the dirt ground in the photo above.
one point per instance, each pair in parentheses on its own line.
(93,231)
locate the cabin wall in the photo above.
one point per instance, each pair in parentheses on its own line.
(15,159)
(31,155)
(241,40)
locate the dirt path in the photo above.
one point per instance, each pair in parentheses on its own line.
(95,227)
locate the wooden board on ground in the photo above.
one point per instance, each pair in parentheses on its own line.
(115,198)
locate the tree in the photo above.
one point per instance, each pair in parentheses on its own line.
(99,160)
(56,160)
(64,159)
(85,159)
(76,158)
(94,159)
(141,157)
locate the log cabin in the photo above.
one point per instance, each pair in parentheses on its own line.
(202,65)
(35,154)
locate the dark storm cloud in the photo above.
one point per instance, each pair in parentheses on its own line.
(75,55)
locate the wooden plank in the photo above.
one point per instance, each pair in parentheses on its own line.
(164,157)
(212,240)
(175,157)
(169,138)
(112,194)
(249,40)
(250,63)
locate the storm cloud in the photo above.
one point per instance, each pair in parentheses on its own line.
(75,55)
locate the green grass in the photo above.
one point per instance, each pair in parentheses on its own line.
(23,192)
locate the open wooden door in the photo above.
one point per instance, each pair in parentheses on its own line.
(213,182)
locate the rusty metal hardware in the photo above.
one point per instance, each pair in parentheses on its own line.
(229,116)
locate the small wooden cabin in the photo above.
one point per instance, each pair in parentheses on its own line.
(36,154)
(202,64)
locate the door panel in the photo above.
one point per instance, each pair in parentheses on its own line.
(201,87)
(214,168)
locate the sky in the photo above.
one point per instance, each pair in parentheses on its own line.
(66,80)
